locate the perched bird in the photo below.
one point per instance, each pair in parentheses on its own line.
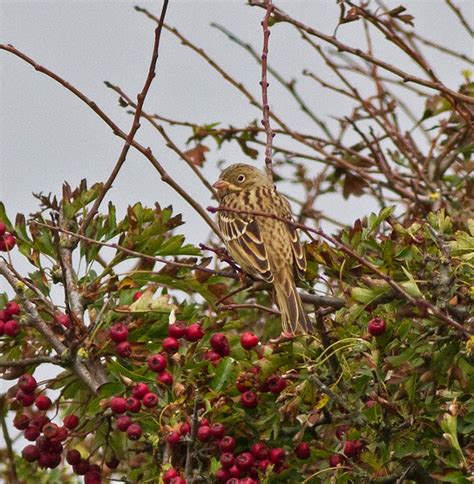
(264,247)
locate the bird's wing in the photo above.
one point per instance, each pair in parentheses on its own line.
(296,245)
(244,241)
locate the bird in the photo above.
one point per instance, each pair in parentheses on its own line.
(264,247)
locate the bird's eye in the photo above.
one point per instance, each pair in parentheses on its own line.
(241,178)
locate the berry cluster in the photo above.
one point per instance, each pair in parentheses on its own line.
(50,438)
(10,326)
(249,383)
(7,240)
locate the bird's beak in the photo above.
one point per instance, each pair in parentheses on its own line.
(221,185)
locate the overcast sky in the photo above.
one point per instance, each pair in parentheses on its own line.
(48,136)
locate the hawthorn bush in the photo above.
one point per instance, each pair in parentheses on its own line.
(161,366)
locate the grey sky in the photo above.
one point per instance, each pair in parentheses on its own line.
(48,136)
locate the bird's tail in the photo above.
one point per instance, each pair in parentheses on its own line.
(293,315)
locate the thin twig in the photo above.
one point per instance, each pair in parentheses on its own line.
(135,123)
(188,468)
(461,18)
(145,151)
(264,83)
(12,473)
(282,16)
(259,307)
(54,360)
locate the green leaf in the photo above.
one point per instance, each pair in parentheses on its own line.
(223,371)
(117,369)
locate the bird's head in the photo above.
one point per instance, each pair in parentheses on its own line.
(240,177)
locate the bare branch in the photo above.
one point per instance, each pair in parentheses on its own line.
(135,124)
(264,83)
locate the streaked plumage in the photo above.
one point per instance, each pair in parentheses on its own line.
(265,248)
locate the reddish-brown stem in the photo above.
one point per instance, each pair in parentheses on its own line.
(264,83)
(135,124)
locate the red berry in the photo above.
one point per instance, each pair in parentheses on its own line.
(212,356)
(263,464)
(165,377)
(43,402)
(249,340)
(2,327)
(227,460)
(376,326)
(140,390)
(204,422)
(184,428)
(81,467)
(220,344)
(12,308)
(335,460)
(124,349)
(112,463)
(50,430)
(177,330)
(61,435)
(137,296)
(222,475)
(259,450)
(118,332)
(123,422)
(203,433)
(173,438)
(244,461)
(194,332)
(170,474)
(248,480)
(170,345)
(249,399)
(25,399)
(303,451)
(133,404)
(217,430)
(352,447)
(30,453)
(275,384)
(118,405)
(11,328)
(63,319)
(178,480)
(7,242)
(27,383)
(39,421)
(134,432)
(21,422)
(277,455)
(227,444)
(92,477)
(341,430)
(31,433)
(234,480)
(235,472)
(3,315)
(150,400)
(3,229)
(157,363)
